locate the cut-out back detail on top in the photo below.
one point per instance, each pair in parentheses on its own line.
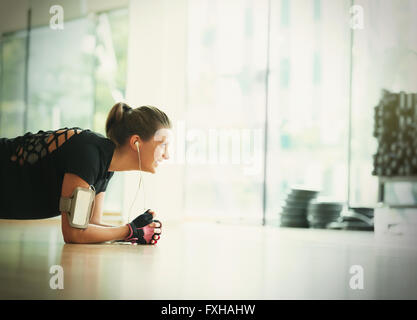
(32,147)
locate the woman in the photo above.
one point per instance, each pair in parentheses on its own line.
(36,170)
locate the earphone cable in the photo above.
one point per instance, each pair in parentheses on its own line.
(137,190)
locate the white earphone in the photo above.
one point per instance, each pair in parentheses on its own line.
(140,172)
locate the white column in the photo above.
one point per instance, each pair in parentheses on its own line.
(157,76)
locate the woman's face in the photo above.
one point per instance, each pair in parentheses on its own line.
(154,151)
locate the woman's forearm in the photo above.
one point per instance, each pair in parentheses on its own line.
(96,234)
(102,224)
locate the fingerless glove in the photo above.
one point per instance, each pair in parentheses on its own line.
(140,231)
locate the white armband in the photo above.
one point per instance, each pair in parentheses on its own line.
(79,206)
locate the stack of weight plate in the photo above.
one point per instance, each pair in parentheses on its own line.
(294,213)
(320,213)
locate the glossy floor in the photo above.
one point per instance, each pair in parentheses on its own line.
(206,261)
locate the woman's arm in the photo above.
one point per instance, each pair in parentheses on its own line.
(93,233)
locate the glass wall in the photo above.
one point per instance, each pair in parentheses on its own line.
(12,85)
(226,108)
(60,76)
(308,99)
(306,103)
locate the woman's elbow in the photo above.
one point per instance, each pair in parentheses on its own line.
(66,239)
(75,236)
(69,236)
(72,235)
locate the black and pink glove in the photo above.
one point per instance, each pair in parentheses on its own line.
(140,230)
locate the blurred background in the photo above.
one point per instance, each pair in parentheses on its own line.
(263,94)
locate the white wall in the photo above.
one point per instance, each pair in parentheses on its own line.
(156,76)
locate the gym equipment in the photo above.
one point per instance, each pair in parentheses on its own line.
(294,213)
(395,128)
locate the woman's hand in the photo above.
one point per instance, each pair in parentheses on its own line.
(144,219)
(144,229)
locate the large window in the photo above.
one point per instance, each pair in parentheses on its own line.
(12,91)
(226,108)
(308,91)
(308,99)
(60,76)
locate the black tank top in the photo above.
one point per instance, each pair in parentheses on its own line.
(31,176)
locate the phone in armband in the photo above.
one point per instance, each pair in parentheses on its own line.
(79,206)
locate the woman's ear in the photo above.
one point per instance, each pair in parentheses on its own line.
(135,141)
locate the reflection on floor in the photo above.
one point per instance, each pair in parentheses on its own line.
(206,261)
